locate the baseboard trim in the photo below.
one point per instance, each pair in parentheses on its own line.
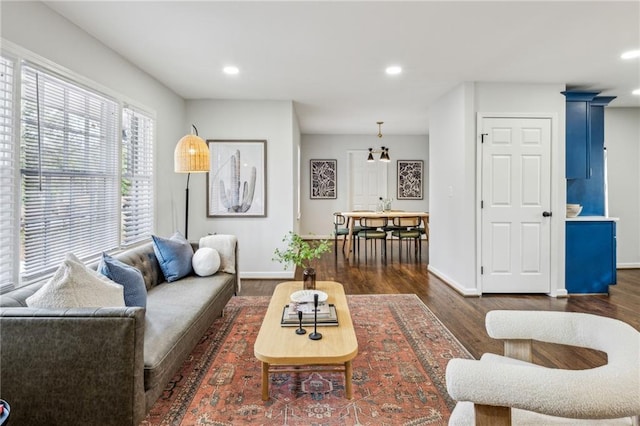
(470,292)
(632,265)
(277,275)
(560,293)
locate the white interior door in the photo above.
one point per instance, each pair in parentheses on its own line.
(367,181)
(516,191)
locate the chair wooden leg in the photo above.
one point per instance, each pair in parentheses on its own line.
(489,415)
(518,349)
(365,251)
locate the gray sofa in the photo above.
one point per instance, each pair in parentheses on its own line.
(104,366)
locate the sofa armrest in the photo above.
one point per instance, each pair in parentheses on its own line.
(73,366)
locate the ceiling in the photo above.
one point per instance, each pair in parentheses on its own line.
(329,57)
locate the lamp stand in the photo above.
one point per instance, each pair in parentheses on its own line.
(186,209)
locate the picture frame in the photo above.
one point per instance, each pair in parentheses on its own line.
(323,179)
(410,180)
(236,181)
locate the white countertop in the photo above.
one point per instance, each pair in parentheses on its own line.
(592,219)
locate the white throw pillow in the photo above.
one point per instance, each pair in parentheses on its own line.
(206,261)
(225,245)
(75,286)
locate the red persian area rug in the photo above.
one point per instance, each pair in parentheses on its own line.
(398,374)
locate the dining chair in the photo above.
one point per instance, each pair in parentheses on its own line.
(372,230)
(390,228)
(425,227)
(408,228)
(356,229)
(339,229)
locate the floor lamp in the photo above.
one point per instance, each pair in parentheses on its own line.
(190,156)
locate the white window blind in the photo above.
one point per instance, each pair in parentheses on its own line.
(137,176)
(8,197)
(69,167)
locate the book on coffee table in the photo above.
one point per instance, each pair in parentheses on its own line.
(308,310)
(288,320)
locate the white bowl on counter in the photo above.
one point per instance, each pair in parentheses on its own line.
(573,210)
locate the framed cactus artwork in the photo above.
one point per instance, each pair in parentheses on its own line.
(236,181)
(323,179)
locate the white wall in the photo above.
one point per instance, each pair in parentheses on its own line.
(317,215)
(257,236)
(35,27)
(452,237)
(622,139)
(453,251)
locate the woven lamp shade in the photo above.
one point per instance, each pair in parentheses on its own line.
(191,155)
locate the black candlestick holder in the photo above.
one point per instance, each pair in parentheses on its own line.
(315,335)
(300,330)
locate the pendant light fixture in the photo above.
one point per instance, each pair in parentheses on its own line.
(383,151)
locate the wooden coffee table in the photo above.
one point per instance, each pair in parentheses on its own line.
(282,350)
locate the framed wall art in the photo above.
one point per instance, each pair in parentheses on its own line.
(236,181)
(324,184)
(410,181)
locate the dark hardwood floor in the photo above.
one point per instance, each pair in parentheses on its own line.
(464,316)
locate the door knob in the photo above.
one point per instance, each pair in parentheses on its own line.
(546,214)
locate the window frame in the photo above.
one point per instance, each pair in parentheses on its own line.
(19,56)
(12,237)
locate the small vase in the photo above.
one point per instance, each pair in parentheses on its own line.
(309,279)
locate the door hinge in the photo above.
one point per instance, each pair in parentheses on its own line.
(482,204)
(482,135)
(482,270)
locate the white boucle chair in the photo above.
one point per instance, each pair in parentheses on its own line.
(504,390)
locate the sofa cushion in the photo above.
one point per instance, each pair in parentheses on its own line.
(177,316)
(206,261)
(130,278)
(174,255)
(225,245)
(75,286)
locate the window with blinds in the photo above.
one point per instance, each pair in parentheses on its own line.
(8,196)
(69,169)
(137,176)
(76,172)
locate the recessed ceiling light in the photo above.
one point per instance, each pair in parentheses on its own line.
(631,54)
(393,70)
(636,92)
(231,70)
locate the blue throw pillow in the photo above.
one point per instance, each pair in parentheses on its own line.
(174,255)
(135,292)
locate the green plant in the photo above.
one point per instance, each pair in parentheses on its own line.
(300,252)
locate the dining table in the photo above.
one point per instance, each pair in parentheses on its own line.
(353,216)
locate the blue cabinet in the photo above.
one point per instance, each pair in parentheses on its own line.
(590,192)
(578,133)
(590,256)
